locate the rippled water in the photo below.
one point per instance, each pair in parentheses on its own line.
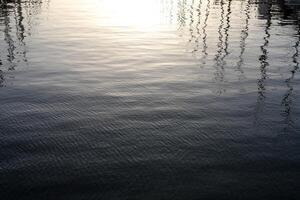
(149,99)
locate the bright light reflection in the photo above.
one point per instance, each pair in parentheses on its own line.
(134,13)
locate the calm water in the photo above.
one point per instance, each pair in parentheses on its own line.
(149,99)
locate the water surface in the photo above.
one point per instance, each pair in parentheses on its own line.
(149,99)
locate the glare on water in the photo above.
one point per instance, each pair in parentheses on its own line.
(135,13)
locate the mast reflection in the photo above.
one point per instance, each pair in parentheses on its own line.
(15,21)
(191,24)
(244,36)
(265,9)
(219,65)
(198,24)
(226,32)
(204,32)
(287,100)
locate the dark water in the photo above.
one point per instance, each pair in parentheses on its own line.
(149,99)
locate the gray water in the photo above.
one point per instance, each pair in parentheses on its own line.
(149,99)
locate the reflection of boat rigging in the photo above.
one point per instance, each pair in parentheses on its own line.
(1,74)
(219,65)
(204,32)
(191,28)
(244,36)
(220,45)
(15,21)
(167,7)
(20,29)
(198,23)
(8,37)
(181,15)
(15,44)
(287,100)
(222,51)
(263,60)
(226,30)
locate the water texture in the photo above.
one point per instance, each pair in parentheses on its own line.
(149,99)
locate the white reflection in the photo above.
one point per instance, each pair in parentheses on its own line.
(133,13)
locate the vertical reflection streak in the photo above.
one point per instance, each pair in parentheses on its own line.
(1,75)
(19,21)
(19,18)
(1,63)
(199,15)
(13,16)
(191,28)
(244,36)
(181,16)
(220,37)
(204,32)
(219,73)
(263,59)
(8,38)
(226,32)
(287,98)
(171,11)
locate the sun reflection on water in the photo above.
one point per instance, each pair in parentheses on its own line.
(132,13)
